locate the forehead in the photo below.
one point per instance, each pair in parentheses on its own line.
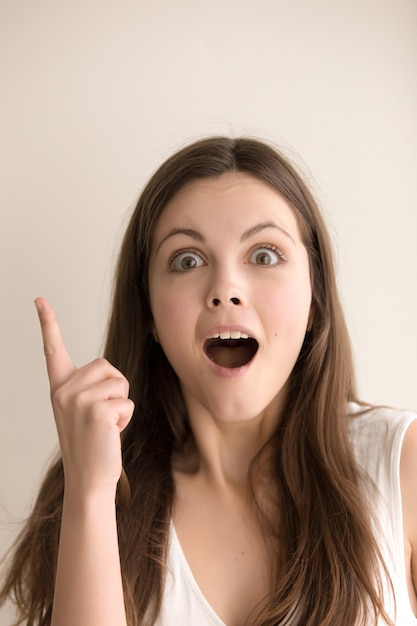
(226,198)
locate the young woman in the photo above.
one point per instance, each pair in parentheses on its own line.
(248,486)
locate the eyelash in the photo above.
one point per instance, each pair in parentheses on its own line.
(177,254)
(265,246)
(273,248)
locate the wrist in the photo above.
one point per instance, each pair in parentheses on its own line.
(88,500)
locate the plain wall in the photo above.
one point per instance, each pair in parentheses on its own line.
(96,93)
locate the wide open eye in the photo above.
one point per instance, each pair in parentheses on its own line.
(265,256)
(186,261)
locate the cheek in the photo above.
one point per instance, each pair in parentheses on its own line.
(172,314)
(288,306)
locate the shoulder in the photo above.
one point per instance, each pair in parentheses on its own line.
(408,469)
(377,431)
(384,442)
(408,472)
(409,457)
(378,423)
(379,438)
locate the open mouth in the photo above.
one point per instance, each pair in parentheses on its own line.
(231,349)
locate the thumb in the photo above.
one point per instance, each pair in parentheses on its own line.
(58,362)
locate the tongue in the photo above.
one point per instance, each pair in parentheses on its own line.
(230,354)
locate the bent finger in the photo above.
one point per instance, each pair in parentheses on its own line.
(122,409)
(126,414)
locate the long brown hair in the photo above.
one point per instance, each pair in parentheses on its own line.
(330,566)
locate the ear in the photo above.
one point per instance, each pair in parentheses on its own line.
(154,333)
(310,322)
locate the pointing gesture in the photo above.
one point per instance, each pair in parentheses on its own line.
(91,408)
(58,361)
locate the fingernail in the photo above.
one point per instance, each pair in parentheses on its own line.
(38,305)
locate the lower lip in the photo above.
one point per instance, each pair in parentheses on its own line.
(228,372)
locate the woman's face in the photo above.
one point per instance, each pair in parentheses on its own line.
(230,294)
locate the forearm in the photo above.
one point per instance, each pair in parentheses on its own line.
(91,408)
(88,588)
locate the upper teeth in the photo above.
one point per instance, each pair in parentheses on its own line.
(232,334)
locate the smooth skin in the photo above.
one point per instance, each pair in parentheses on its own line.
(227,253)
(91,408)
(409,501)
(207,272)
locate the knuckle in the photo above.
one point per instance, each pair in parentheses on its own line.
(124,386)
(58,398)
(81,399)
(101,362)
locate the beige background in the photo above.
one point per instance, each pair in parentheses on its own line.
(96,93)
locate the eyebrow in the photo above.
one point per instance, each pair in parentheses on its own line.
(262,226)
(189,232)
(251,232)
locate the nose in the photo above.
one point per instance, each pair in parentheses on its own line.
(216,301)
(226,290)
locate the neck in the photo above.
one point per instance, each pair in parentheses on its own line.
(223,452)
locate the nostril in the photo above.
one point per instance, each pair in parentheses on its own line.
(217,301)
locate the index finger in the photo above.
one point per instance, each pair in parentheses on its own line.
(58,362)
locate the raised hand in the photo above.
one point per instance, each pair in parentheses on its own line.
(91,408)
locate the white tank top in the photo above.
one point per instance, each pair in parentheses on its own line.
(377,439)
